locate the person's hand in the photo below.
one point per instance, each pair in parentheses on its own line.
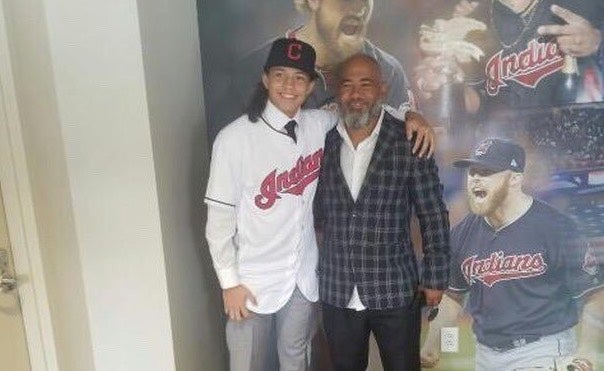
(234,299)
(577,38)
(433,297)
(464,8)
(435,71)
(429,356)
(572,363)
(425,139)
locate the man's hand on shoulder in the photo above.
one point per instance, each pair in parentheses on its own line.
(425,137)
(234,299)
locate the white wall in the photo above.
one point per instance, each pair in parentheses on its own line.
(172,62)
(115,145)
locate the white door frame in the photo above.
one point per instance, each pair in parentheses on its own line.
(22,229)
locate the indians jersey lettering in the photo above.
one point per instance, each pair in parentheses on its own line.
(499,267)
(292,181)
(527,67)
(524,278)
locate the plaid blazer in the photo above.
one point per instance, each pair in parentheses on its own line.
(367,243)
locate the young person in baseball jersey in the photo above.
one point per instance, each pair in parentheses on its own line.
(260,230)
(370,184)
(521,266)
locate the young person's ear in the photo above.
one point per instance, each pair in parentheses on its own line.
(311,86)
(265,80)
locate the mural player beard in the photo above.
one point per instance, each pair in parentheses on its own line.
(485,201)
(345,35)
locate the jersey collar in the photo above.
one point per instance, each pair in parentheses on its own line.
(276,118)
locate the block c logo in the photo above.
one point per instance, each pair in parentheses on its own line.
(294,51)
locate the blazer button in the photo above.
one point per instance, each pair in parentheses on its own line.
(354,215)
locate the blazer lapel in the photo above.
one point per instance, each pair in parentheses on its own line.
(335,148)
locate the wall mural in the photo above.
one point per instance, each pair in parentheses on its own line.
(528,70)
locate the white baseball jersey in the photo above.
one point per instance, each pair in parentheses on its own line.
(270,181)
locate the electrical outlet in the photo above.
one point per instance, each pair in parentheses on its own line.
(449,339)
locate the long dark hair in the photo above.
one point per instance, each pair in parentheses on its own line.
(257,103)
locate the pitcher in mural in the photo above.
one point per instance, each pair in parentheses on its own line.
(527,274)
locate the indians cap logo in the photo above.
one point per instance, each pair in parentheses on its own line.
(483,148)
(294,51)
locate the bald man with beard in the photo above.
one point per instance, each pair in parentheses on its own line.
(521,268)
(370,183)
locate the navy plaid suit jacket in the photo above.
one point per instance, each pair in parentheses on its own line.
(367,243)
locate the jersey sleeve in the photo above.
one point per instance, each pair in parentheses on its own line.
(400,98)
(225,183)
(221,228)
(222,197)
(328,120)
(581,266)
(457,282)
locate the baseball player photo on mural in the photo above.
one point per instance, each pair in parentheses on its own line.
(516,54)
(526,273)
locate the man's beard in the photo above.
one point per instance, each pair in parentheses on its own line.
(359,119)
(491,202)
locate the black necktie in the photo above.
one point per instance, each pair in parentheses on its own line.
(290,127)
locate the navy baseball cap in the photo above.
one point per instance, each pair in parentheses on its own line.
(289,52)
(497,155)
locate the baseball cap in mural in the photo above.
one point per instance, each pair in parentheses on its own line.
(497,155)
(289,52)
